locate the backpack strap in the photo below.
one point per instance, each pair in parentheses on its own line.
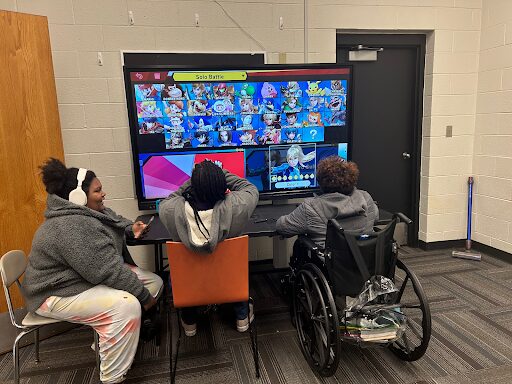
(379,254)
(358,257)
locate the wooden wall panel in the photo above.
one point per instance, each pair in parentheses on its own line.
(29,128)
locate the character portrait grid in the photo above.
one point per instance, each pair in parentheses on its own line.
(194,115)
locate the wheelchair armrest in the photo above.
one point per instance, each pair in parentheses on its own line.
(307,243)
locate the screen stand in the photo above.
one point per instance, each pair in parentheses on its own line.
(281,247)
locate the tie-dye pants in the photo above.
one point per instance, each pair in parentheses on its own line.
(115,315)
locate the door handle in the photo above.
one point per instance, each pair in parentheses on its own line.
(406,155)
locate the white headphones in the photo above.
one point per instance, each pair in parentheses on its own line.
(77,195)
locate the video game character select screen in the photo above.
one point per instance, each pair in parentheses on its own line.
(271,126)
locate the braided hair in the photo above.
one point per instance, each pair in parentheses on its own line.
(60,180)
(207,187)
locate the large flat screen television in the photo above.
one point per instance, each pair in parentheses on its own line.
(270,124)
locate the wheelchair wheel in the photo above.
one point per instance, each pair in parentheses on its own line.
(414,341)
(316,320)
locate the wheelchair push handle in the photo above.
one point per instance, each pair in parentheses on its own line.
(403,218)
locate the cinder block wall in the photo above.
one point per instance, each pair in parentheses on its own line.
(492,162)
(92,103)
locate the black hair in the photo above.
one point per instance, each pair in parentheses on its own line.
(207,187)
(198,134)
(230,135)
(60,180)
(225,122)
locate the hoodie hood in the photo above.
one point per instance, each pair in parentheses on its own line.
(188,230)
(341,206)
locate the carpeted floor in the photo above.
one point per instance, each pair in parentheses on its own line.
(471,304)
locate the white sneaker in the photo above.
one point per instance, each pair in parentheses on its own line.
(243,325)
(190,329)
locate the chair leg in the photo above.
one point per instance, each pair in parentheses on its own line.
(97,349)
(169,338)
(173,371)
(36,344)
(253,333)
(161,297)
(16,354)
(16,358)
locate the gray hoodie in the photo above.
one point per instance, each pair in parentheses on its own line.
(356,212)
(75,249)
(227,218)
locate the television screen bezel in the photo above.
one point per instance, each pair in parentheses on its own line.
(148,204)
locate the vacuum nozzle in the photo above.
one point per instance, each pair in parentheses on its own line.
(467,254)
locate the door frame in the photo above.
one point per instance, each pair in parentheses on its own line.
(417,42)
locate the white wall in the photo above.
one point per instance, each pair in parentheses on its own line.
(493,133)
(92,103)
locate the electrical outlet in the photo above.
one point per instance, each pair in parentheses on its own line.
(449,131)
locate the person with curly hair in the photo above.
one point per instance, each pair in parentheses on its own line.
(341,200)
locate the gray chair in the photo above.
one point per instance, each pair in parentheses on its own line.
(12,266)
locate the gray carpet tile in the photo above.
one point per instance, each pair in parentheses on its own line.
(471,305)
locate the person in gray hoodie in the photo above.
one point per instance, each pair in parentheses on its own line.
(341,200)
(79,268)
(212,206)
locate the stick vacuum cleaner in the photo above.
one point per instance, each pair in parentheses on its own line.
(468,253)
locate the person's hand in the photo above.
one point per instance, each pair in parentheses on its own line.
(138,228)
(151,302)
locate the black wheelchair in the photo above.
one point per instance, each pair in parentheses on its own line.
(325,284)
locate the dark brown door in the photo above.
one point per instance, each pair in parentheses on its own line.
(387,109)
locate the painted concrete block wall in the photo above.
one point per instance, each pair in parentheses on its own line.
(92,103)
(493,129)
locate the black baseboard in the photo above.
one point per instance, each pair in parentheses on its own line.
(441,244)
(486,249)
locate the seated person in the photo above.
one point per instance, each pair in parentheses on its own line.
(79,269)
(212,206)
(341,200)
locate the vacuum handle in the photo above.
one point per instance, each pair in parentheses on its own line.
(470,208)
